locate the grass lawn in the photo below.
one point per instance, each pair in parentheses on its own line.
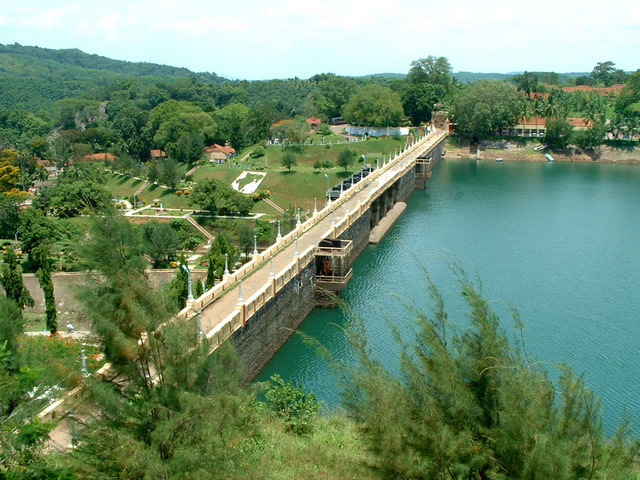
(168,197)
(296,188)
(122,185)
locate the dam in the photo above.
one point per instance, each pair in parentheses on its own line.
(261,304)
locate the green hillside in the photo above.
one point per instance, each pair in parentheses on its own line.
(33,78)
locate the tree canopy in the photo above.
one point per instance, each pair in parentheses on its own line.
(375,106)
(485,107)
(470,404)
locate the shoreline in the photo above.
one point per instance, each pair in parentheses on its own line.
(601,154)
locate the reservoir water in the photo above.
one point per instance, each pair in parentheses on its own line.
(559,241)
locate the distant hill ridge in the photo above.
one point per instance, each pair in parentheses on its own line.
(33,78)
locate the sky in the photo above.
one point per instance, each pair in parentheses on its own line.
(258,40)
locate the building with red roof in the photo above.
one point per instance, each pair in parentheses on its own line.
(218,153)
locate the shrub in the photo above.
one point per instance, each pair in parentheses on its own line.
(258,152)
(292,404)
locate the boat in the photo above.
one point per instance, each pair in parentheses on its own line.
(549,157)
(499,159)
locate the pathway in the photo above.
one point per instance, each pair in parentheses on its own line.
(200,228)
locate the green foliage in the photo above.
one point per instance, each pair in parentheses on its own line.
(11,280)
(471,404)
(589,138)
(171,119)
(161,243)
(216,258)
(485,107)
(526,82)
(11,326)
(27,80)
(214,195)
(258,152)
(292,403)
(330,94)
(119,298)
(79,190)
(607,74)
(198,288)
(418,101)
(346,158)
(289,159)
(9,216)
(558,134)
(179,288)
(374,105)
(41,255)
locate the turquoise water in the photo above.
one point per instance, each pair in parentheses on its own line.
(561,242)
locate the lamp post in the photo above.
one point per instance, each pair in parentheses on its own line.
(189,289)
(255,245)
(296,252)
(298,222)
(271,274)
(226,264)
(279,237)
(72,331)
(315,206)
(328,189)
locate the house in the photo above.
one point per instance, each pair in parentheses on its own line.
(157,154)
(218,154)
(314,122)
(100,157)
(537,126)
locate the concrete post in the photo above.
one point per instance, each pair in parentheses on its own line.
(240,299)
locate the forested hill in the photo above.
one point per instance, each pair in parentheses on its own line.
(33,78)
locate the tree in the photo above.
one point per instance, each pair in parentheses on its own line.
(470,404)
(9,216)
(331,93)
(589,138)
(11,281)
(558,133)
(375,106)
(346,157)
(290,402)
(485,107)
(289,159)
(11,326)
(170,173)
(46,283)
(526,82)
(213,195)
(36,228)
(161,243)
(430,70)
(120,301)
(607,74)
(245,238)
(419,100)
(179,288)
